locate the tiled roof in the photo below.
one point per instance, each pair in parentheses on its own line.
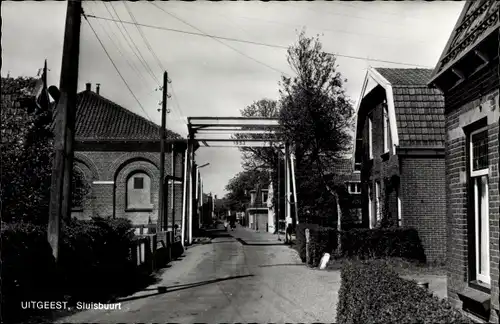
(419,109)
(98,118)
(343,169)
(402,77)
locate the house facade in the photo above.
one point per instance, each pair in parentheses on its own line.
(117,152)
(468,75)
(399,151)
(259,210)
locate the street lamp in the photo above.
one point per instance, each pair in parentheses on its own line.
(204,165)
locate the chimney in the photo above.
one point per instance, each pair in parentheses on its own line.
(97,88)
(87,86)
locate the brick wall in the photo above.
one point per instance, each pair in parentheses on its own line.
(108,198)
(423,196)
(457,185)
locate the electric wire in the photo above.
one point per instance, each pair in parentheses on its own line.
(238,40)
(116,68)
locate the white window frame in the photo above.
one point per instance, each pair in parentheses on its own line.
(484,277)
(370,137)
(370,207)
(386,128)
(357,185)
(400,211)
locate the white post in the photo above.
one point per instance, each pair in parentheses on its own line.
(288,209)
(294,183)
(184,197)
(190,192)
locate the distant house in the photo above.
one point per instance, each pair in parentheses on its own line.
(399,150)
(468,74)
(260,216)
(117,152)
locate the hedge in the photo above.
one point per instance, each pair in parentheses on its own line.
(360,243)
(382,242)
(372,293)
(95,263)
(321,240)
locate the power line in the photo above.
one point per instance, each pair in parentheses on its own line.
(257,43)
(116,68)
(133,65)
(130,42)
(218,40)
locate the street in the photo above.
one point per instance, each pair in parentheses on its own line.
(242,276)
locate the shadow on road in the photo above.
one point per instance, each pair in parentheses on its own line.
(260,244)
(164,290)
(281,265)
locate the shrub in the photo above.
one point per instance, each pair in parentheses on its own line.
(372,293)
(382,242)
(28,268)
(322,240)
(300,238)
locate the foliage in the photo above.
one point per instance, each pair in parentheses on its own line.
(27,151)
(95,262)
(240,185)
(321,240)
(383,242)
(315,117)
(372,293)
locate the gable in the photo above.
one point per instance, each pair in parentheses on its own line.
(478,20)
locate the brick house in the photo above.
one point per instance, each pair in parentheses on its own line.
(259,212)
(117,152)
(468,75)
(399,150)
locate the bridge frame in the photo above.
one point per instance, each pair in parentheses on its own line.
(204,130)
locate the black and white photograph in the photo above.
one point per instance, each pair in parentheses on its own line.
(250,161)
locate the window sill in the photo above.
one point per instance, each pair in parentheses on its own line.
(77,209)
(475,302)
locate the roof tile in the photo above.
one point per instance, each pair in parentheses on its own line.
(101,119)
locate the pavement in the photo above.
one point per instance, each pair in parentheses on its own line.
(437,283)
(242,276)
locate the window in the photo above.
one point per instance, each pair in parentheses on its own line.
(400,208)
(264,197)
(377,201)
(386,129)
(479,185)
(138,183)
(371,219)
(139,191)
(354,187)
(370,137)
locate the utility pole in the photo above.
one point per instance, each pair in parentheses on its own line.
(172,201)
(62,166)
(161,210)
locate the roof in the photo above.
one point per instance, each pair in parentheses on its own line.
(405,77)
(343,168)
(98,118)
(478,19)
(419,109)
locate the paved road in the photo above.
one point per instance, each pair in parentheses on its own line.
(254,279)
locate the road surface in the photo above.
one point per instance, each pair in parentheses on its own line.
(242,276)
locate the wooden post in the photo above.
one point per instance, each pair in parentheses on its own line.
(161,223)
(308,254)
(64,128)
(184,195)
(287,184)
(294,186)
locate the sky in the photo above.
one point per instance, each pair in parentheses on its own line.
(217,77)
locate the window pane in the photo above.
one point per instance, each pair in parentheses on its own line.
(353,187)
(480,150)
(138,183)
(482,223)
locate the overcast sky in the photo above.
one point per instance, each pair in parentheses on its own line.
(209,78)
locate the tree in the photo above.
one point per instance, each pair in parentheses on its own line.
(315,117)
(239,186)
(27,151)
(262,158)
